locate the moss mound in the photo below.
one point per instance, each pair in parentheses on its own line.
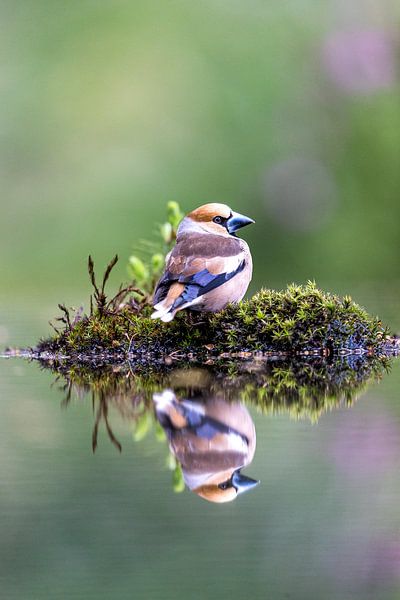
(298,320)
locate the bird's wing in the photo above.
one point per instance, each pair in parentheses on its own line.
(198,265)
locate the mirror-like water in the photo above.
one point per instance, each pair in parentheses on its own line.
(96,468)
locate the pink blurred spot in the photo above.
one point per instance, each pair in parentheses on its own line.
(360,61)
(387,557)
(367,559)
(366,445)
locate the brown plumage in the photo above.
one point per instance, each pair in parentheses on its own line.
(209,266)
(212,440)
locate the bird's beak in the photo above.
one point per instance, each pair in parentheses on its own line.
(243,483)
(236,221)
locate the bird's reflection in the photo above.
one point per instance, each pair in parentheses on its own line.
(211,437)
(212,440)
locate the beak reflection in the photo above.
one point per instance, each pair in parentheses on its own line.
(213,440)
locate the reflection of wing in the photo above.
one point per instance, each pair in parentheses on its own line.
(196,267)
(174,415)
(191,417)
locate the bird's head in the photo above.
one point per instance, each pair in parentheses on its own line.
(227,489)
(214,218)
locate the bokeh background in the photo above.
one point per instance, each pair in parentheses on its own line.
(288,111)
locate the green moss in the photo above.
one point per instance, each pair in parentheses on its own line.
(300,319)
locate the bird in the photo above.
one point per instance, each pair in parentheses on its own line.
(212,439)
(209,266)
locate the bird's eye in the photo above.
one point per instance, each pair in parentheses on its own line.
(224,485)
(218,220)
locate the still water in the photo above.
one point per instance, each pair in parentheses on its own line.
(81,519)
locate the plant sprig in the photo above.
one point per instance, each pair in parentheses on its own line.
(145,273)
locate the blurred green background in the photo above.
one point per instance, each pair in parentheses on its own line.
(287,111)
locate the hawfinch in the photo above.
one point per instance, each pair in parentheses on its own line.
(212,440)
(209,266)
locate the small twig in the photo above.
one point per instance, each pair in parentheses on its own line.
(67,399)
(109,268)
(121,295)
(130,344)
(96,429)
(99,294)
(91,274)
(67,319)
(102,412)
(109,430)
(54,327)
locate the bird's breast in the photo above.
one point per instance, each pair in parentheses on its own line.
(230,292)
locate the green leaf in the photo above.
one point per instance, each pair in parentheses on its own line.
(166,232)
(178,482)
(160,433)
(142,427)
(174,214)
(171,462)
(138,270)
(157,262)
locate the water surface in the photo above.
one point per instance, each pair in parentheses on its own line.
(323,522)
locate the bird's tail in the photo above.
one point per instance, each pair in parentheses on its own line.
(163,312)
(169,411)
(164,400)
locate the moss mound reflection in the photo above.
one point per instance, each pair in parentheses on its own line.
(305,387)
